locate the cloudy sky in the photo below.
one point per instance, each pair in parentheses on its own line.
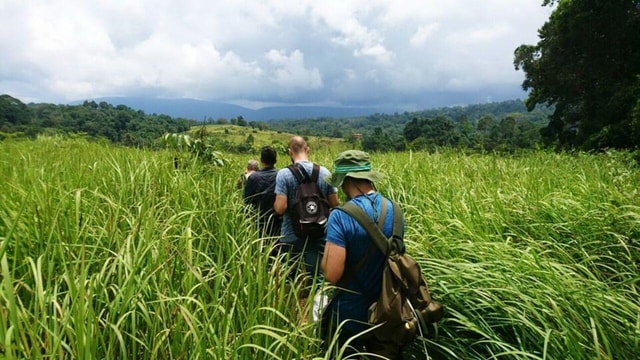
(409,54)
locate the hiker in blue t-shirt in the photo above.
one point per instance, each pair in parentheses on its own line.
(347,244)
(286,186)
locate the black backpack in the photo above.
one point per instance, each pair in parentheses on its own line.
(310,209)
(404,307)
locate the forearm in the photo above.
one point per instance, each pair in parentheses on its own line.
(332,264)
(280,205)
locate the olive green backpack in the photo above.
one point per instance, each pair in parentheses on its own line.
(405,307)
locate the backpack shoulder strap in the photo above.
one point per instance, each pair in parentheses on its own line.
(315,173)
(296,173)
(367,223)
(397,242)
(302,175)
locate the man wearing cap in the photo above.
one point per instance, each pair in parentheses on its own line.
(347,243)
(286,186)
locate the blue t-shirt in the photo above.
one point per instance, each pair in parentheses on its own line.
(363,286)
(286,184)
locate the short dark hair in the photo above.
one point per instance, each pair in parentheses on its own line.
(268,155)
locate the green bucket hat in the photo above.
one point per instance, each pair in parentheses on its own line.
(352,163)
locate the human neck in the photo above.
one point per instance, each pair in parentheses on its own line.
(298,158)
(363,189)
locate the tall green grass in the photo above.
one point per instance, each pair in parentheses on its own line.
(109,252)
(535,256)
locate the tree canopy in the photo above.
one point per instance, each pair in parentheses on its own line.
(475,126)
(119,124)
(501,126)
(587,64)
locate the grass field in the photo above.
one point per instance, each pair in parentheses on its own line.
(111,253)
(238,134)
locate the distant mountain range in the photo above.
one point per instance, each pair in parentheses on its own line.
(202,110)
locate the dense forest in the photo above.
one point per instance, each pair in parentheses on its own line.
(503,126)
(119,124)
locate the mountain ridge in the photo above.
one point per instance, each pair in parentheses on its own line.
(201,110)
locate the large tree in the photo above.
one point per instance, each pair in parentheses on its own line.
(13,114)
(587,64)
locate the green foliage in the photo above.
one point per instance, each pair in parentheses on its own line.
(430,129)
(13,114)
(511,133)
(448,127)
(381,141)
(394,123)
(201,149)
(119,124)
(586,64)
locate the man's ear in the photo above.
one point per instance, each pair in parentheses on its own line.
(345,186)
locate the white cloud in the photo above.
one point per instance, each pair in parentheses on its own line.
(290,73)
(346,20)
(424,32)
(333,51)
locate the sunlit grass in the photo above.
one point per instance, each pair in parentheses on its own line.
(109,252)
(534,256)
